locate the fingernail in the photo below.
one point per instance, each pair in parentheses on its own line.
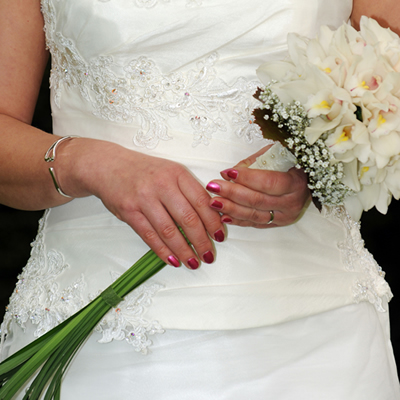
(219,236)
(232,173)
(174,261)
(193,263)
(208,257)
(213,187)
(217,205)
(226,220)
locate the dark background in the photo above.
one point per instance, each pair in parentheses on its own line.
(18,229)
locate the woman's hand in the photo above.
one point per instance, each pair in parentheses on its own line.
(150,194)
(247,196)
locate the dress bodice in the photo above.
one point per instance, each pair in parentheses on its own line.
(165,66)
(175,78)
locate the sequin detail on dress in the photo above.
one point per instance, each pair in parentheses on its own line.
(141,93)
(38,298)
(370,285)
(126,322)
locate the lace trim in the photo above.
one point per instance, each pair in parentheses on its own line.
(39,299)
(37,296)
(126,321)
(372,287)
(142,93)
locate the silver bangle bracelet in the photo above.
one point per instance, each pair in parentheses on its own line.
(50,156)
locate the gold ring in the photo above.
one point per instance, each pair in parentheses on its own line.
(271,213)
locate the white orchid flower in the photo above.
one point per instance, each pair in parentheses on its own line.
(374,34)
(280,71)
(384,121)
(350,141)
(385,147)
(322,124)
(339,97)
(392,179)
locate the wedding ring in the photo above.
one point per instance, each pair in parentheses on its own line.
(271,213)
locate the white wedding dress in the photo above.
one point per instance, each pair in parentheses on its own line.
(298,312)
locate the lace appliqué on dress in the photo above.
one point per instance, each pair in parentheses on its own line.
(37,296)
(372,287)
(126,322)
(142,93)
(39,299)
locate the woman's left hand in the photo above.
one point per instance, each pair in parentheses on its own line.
(252,197)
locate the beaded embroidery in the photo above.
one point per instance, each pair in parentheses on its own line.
(372,287)
(39,299)
(142,93)
(126,322)
(37,296)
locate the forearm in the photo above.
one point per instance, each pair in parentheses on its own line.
(25,181)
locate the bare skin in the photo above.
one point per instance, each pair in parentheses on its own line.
(130,184)
(145,196)
(248,199)
(386,12)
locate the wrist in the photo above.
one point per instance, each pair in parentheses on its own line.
(81,164)
(50,157)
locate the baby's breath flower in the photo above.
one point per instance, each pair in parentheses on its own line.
(316,160)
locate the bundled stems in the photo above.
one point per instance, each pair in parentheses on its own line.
(53,352)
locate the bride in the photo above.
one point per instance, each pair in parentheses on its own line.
(151,99)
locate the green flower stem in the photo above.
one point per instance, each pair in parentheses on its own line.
(32,364)
(54,351)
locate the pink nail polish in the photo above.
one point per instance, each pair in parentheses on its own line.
(219,236)
(213,187)
(193,263)
(174,261)
(217,205)
(232,173)
(208,257)
(226,220)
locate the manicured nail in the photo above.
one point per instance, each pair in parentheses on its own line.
(208,257)
(193,263)
(174,261)
(217,205)
(226,220)
(232,173)
(213,187)
(219,236)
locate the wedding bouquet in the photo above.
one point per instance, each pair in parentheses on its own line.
(335,104)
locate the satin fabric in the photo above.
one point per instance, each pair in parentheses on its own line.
(255,279)
(275,315)
(343,354)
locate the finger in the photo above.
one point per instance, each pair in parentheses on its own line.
(159,231)
(241,195)
(149,235)
(191,223)
(251,159)
(250,215)
(274,183)
(226,219)
(199,199)
(241,203)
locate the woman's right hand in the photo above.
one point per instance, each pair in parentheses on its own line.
(150,194)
